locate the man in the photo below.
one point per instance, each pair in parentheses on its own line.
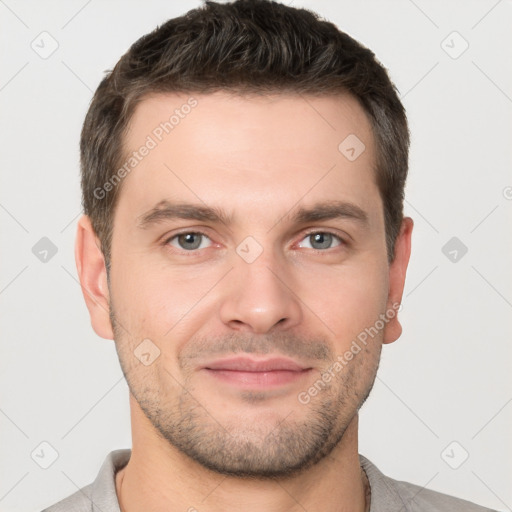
(244,244)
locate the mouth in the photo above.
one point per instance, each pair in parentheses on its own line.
(252,373)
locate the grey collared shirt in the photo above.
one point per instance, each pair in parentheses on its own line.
(387,495)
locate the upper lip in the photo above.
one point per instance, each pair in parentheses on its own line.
(246,364)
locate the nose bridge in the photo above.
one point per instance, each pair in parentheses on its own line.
(259,297)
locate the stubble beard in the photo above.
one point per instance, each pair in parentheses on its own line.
(277,447)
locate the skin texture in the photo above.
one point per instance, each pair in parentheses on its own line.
(199,441)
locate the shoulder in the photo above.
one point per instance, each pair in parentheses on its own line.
(80,501)
(99,496)
(388,494)
(419,499)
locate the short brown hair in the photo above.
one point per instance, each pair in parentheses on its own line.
(247,46)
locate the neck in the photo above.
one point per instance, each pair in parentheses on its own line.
(159,477)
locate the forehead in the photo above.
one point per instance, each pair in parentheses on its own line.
(264,152)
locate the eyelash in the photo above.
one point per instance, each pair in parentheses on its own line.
(342,241)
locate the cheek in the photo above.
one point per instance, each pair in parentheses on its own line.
(138,295)
(155,300)
(348,299)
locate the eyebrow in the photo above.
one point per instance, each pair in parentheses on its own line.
(331,210)
(167,210)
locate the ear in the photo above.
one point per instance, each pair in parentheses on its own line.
(397,271)
(92,273)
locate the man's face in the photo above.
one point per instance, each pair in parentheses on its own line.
(271,250)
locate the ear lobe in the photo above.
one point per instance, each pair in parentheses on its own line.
(92,273)
(397,272)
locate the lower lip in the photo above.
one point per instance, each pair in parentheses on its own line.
(258,380)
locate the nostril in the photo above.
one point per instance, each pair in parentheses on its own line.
(236,324)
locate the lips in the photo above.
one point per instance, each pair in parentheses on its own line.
(244,364)
(248,373)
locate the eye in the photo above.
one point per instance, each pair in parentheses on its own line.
(321,240)
(189,241)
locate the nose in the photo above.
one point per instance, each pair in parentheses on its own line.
(260,298)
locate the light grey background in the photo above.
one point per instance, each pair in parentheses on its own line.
(447,379)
